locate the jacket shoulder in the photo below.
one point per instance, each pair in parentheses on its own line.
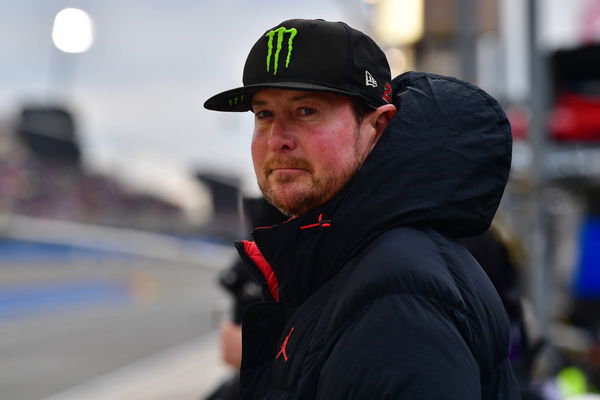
(424,270)
(404,260)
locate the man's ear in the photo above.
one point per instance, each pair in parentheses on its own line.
(381,117)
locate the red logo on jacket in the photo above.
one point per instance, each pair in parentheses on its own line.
(284,346)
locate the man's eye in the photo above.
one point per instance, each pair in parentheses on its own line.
(262,114)
(306,111)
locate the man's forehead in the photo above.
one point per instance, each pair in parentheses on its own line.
(266,95)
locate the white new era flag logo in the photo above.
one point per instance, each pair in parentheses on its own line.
(369,80)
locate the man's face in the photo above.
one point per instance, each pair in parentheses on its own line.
(306,146)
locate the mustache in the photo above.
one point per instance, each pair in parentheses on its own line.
(286,162)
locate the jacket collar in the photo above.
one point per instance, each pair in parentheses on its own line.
(296,253)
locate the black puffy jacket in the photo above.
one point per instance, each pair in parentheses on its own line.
(370,296)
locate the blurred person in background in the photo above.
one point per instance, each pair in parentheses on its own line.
(244,290)
(367,293)
(502,256)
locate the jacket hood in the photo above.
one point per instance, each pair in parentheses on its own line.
(442,162)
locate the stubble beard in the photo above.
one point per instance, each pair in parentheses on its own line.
(318,192)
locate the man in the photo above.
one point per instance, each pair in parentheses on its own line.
(367,292)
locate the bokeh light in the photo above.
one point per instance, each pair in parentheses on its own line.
(72,31)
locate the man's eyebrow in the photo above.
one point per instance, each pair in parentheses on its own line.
(258,103)
(301,97)
(310,96)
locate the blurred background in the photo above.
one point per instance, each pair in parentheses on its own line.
(120,195)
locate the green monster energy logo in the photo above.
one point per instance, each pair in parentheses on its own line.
(290,43)
(235,100)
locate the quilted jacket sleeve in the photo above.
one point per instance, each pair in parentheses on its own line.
(400,346)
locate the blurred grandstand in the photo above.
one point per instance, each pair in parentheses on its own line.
(42,175)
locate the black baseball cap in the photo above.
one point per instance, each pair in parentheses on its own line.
(313,55)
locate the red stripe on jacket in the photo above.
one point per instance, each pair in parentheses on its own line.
(256,256)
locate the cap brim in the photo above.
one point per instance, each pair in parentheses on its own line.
(240,99)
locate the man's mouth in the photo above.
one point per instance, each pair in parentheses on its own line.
(295,166)
(289,171)
(284,169)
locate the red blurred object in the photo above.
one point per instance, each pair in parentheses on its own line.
(519,122)
(575,118)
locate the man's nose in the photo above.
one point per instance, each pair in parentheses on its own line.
(281,137)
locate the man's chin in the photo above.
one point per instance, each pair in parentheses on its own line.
(289,189)
(291,207)
(292,203)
